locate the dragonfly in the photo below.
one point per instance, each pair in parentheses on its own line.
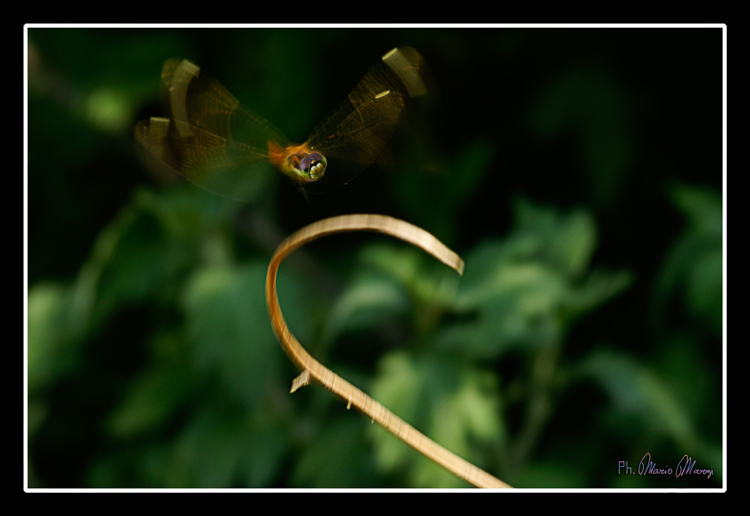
(209,137)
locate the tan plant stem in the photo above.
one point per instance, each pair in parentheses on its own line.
(314,371)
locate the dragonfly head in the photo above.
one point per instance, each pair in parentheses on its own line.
(312,165)
(298,162)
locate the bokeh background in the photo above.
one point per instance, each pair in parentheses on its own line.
(577,171)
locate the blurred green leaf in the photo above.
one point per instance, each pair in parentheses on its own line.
(636,390)
(50,350)
(701,206)
(400,387)
(515,292)
(367,302)
(679,362)
(705,287)
(152,399)
(453,403)
(268,446)
(211,448)
(598,288)
(133,258)
(425,279)
(693,266)
(140,263)
(108,109)
(338,458)
(227,323)
(565,242)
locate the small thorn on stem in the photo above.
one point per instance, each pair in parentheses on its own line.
(301,381)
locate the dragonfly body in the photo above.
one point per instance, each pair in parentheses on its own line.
(208,131)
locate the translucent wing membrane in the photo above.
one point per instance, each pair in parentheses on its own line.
(356,134)
(211,139)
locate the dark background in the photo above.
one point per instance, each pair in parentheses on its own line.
(623,126)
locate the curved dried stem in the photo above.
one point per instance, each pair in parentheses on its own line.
(312,370)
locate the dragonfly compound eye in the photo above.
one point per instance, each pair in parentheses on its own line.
(313,165)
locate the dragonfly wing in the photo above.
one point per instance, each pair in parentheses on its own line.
(357,132)
(208,136)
